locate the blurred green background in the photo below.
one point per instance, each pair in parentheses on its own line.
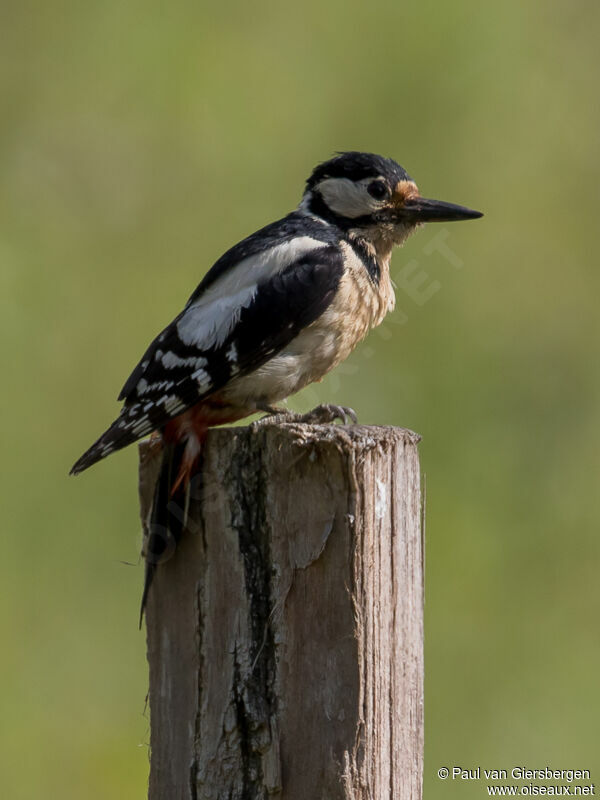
(137,142)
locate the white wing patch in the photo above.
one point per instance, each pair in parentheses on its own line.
(208,321)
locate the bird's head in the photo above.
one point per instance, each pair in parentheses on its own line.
(374,197)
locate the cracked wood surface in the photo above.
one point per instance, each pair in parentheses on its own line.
(285,637)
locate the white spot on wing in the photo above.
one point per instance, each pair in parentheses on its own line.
(170,360)
(232,353)
(140,426)
(173,404)
(203,378)
(144,387)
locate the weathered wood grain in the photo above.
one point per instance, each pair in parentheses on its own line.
(285,638)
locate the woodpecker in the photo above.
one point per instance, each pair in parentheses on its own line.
(276,312)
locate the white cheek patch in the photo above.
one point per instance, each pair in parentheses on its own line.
(347,198)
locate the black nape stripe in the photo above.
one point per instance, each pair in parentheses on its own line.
(318,207)
(363,251)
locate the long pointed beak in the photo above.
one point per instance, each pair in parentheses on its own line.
(420,209)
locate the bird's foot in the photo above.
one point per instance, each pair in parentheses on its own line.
(327,412)
(275,415)
(320,415)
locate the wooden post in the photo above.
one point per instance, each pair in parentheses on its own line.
(285,637)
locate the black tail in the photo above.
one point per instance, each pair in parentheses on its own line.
(167,518)
(132,424)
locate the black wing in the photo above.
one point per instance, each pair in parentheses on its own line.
(221,337)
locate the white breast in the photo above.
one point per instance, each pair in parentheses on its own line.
(358,306)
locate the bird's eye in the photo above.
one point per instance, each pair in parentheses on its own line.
(378,190)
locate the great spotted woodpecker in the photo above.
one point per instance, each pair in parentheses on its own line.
(276,312)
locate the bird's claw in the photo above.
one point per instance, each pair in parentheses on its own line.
(329,413)
(320,415)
